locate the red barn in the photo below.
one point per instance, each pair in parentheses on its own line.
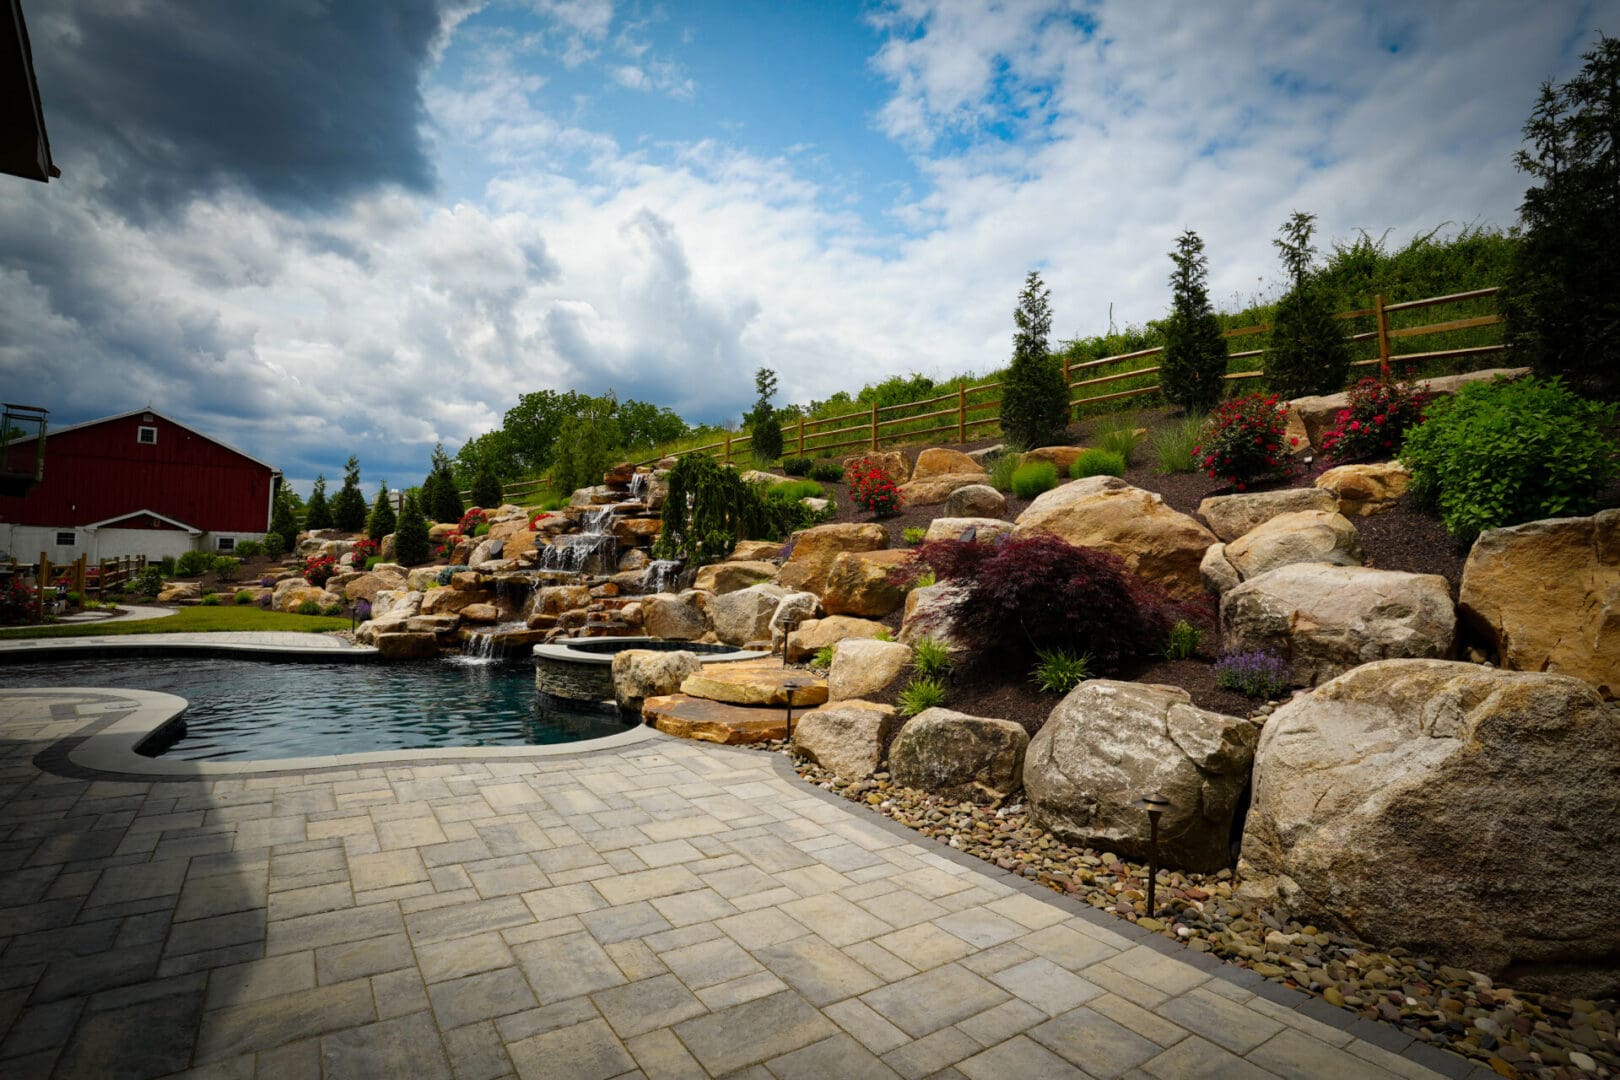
(137,484)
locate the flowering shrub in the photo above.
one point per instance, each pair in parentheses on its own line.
(318,569)
(1243,441)
(872,489)
(1256,674)
(1377,420)
(471,520)
(365,548)
(537,515)
(17,604)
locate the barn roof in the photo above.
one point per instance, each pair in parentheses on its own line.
(138,513)
(162,416)
(25,150)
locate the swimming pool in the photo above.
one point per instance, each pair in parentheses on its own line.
(248,710)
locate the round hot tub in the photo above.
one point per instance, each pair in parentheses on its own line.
(581,669)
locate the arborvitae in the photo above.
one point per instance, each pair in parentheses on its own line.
(282,521)
(1561,299)
(486,488)
(1192,374)
(1034,398)
(349,505)
(429,492)
(317,512)
(1308,353)
(411,534)
(445,504)
(764,428)
(380,522)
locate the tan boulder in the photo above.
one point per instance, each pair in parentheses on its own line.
(813,635)
(407,646)
(421,578)
(728,577)
(754,682)
(745,615)
(815,549)
(452,599)
(673,618)
(438,532)
(401,602)
(1217,574)
(636,531)
(933,490)
(955,528)
(291,599)
(846,738)
(281,588)
(639,674)
(931,612)
(711,721)
(556,599)
(959,756)
(976,501)
(1363,490)
(858,584)
(1157,543)
(938,462)
(1062,458)
(863,667)
(1304,536)
(176,591)
(433,624)
(892,462)
(1230,516)
(1545,596)
(367,586)
(793,610)
(480,613)
(755,551)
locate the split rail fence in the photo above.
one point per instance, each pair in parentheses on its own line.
(80,576)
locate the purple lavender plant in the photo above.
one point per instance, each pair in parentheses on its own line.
(1259,673)
(362,610)
(267,581)
(264,601)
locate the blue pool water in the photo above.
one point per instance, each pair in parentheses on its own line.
(254,709)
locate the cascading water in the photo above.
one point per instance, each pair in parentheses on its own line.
(638,486)
(481,646)
(660,575)
(573,552)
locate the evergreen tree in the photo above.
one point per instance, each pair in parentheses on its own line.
(283,523)
(349,505)
(486,488)
(428,493)
(586,445)
(1561,300)
(317,513)
(446,504)
(1034,399)
(764,427)
(1192,372)
(411,535)
(1308,353)
(380,522)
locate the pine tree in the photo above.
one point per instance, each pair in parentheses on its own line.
(1308,353)
(411,535)
(486,488)
(1192,372)
(586,444)
(349,505)
(380,522)
(317,512)
(446,504)
(1034,399)
(282,521)
(1561,299)
(764,428)
(428,493)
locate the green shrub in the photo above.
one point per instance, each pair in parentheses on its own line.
(797,466)
(1183,641)
(1031,479)
(710,507)
(373,561)
(274,546)
(828,472)
(764,426)
(883,635)
(332,609)
(308,607)
(243,596)
(1502,453)
(486,488)
(481,529)
(1034,397)
(226,567)
(794,490)
(920,695)
(823,657)
(1173,445)
(210,600)
(1057,671)
(411,544)
(193,564)
(1307,352)
(381,521)
(1097,462)
(1002,469)
(1192,371)
(913,534)
(147,583)
(317,511)
(931,658)
(166,566)
(1118,433)
(349,504)
(249,549)
(924,579)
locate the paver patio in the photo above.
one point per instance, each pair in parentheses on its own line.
(662,909)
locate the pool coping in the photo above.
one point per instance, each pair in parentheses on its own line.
(11,651)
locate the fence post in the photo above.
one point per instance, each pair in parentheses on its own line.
(1383,338)
(874,425)
(801,436)
(728,448)
(79,566)
(42,578)
(961,413)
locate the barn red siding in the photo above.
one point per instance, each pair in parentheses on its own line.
(100,471)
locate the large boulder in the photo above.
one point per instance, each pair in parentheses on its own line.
(959,756)
(976,501)
(858,584)
(939,462)
(1061,458)
(815,549)
(892,462)
(453,599)
(401,602)
(745,615)
(1108,743)
(407,645)
(755,683)
(292,599)
(755,551)
(1363,490)
(1545,596)
(931,612)
(728,577)
(1162,545)
(1304,536)
(1328,619)
(639,674)
(1309,418)
(176,591)
(368,585)
(813,635)
(933,490)
(1230,516)
(846,738)
(1462,812)
(956,528)
(515,536)
(862,667)
(665,615)
(793,610)
(280,589)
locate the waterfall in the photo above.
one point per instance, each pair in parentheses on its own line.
(482,646)
(638,485)
(659,575)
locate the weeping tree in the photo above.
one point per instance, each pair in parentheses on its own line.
(1308,353)
(318,512)
(1034,398)
(710,507)
(381,521)
(349,505)
(411,544)
(1192,374)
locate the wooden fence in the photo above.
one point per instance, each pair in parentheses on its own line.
(963,408)
(80,576)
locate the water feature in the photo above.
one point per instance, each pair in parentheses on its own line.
(660,575)
(487,646)
(592,548)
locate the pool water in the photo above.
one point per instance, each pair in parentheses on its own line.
(256,709)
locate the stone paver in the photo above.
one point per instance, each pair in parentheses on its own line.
(666,908)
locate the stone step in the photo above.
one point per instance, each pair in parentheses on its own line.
(710,721)
(755,682)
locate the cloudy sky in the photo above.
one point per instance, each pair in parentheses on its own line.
(317,227)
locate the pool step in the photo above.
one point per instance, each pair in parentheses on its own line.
(756,683)
(689,717)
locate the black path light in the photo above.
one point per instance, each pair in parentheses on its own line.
(1155,804)
(789,688)
(790,623)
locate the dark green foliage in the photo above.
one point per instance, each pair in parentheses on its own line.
(226,567)
(797,466)
(349,505)
(1561,299)
(283,525)
(249,549)
(193,564)
(1183,641)
(586,448)
(308,607)
(1057,671)
(1034,399)
(428,492)
(411,534)
(1307,353)
(380,522)
(1191,373)
(275,545)
(920,695)
(764,428)
(710,507)
(930,658)
(828,472)
(1032,479)
(1097,462)
(1502,453)
(486,488)
(148,583)
(317,512)
(441,497)
(1002,469)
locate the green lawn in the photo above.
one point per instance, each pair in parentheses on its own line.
(190,620)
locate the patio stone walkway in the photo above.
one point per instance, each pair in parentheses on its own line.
(664,909)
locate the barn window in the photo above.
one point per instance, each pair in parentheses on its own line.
(227,543)
(146,436)
(67,539)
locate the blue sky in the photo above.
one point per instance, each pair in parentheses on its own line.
(366,227)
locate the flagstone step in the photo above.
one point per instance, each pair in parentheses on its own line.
(689,717)
(755,682)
